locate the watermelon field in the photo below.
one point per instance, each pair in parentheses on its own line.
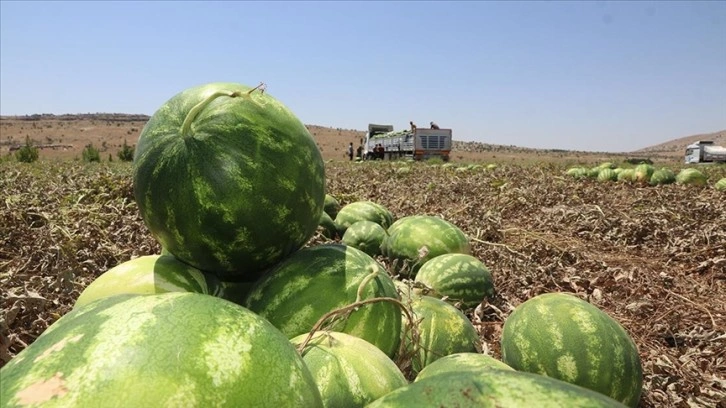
(652,257)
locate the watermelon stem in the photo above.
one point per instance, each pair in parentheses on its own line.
(187,125)
(363,283)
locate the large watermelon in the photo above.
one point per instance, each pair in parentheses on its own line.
(443,330)
(147,275)
(564,337)
(349,371)
(493,389)
(461,362)
(416,239)
(318,279)
(461,277)
(691,176)
(168,350)
(228,181)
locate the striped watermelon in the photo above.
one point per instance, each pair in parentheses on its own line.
(328,227)
(228,181)
(662,176)
(366,236)
(349,371)
(168,350)
(607,174)
(720,185)
(462,362)
(493,389)
(414,240)
(461,277)
(627,175)
(331,206)
(322,278)
(643,173)
(148,275)
(691,176)
(363,211)
(564,337)
(443,330)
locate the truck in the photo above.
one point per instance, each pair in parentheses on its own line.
(705,151)
(418,143)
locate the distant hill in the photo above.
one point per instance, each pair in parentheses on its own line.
(66,135)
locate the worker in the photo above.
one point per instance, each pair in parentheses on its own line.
(413,126)
(434,125)
(350,151)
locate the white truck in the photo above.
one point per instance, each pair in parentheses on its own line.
(418,144)
(704,151)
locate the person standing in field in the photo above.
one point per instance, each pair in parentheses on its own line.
(350,151)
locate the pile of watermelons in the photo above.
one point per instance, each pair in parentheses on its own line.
(238,312)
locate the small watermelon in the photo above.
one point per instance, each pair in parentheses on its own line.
(147,275)
(691,176)
(720,185)
(349,371)
(443,330)
(607,174)
(363,211)
(493,389)
(462,362)
(414,240)
(461,277)
(331,206)
(562,336)
(643,173)
(228,180)
(316,280)
(328,227)
(168,350)
(662,176)
(366,236)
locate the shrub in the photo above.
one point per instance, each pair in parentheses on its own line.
(126,153)
(90,154)
(27,153)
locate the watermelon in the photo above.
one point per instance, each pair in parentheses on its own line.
(172,349)
(493,389)
(607,174)
(643,173)
(461,362)
(230,182)
(363,211)
(148,275)
(720,185)
(366,236)
(349,371)
(593,172)
(461,277)
(414,240)
(627,175)
(562,336)
(577,172)
(328,227)
(331,206)
(443,330)
(316,280)
(691,176)
(662,176)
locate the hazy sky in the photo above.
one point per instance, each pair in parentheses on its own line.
(606,76)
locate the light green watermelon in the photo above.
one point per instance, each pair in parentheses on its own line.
(577,172)
(627,175)
(331,206)
(643,173)
(366,236)
(461,362)
(691,176)
(561,336)
(720,185)
(606,174)
(319,279)
(493,389)
(228,180)
(414,240)
(443,330)
(356,211)
(147,275)
(168,350)
(593,172)
(461,277)
(349,371)
(662,176)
